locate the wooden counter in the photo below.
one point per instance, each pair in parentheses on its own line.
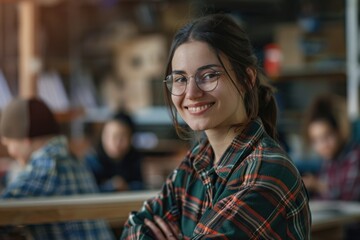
(328,218)
(114,208)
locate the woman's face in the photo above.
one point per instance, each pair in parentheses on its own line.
(116,139)
(324,139)
(201,110)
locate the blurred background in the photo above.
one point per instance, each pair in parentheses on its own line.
(88,58)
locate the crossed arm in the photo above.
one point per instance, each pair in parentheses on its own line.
(254,212)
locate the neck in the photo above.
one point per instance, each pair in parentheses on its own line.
(339,150)
(220,139)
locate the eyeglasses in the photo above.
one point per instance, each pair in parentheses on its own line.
(206,80)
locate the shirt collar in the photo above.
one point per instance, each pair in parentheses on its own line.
(241,146)
(57,145)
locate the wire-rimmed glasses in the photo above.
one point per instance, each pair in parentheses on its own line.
(205,79)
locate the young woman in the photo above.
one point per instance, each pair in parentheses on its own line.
(237,182)
(115,163)
(327,132)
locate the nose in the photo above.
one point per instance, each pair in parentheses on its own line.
(192,90)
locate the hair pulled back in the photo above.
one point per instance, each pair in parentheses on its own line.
(225,36)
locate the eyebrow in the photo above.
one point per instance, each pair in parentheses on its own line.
(199,69)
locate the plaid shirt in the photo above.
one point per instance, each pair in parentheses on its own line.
(52,171)
(254,192)
(342,175)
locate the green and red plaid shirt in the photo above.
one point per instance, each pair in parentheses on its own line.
(254,192)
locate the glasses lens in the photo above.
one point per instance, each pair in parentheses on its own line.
(207,81)
(176,83)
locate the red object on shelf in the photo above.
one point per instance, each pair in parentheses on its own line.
(272,60)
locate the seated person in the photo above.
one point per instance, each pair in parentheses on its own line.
(327,132)
(30,133)
(115,163)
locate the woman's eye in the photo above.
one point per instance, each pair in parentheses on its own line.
(209,76)
(180,79)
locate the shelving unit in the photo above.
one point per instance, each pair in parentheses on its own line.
(72,23)
(308,74)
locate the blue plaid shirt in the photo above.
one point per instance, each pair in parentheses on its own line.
(53,171)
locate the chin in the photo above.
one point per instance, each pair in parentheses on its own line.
(201,125)
(326,156)
(197,127)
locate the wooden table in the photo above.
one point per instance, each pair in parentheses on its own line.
(114,208)
(330,217)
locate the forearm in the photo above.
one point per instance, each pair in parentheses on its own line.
(139,231)
(107,186)
(162,205)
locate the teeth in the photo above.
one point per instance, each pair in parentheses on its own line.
(199,109)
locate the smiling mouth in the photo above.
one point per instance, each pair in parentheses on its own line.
(199,109)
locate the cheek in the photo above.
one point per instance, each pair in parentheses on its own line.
(12,148)
(333,144)
(177,100)
(108,145)
(111,144)
(319,147)
(326,147)
(124,144)
(16,151)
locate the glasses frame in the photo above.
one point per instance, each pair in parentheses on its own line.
(195,76)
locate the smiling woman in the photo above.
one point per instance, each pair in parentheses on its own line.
(327,132)
(237,182)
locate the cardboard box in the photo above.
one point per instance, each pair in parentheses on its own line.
(288,38)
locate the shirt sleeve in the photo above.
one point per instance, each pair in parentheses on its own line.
(164,204)
(92,163)
(107,186)
(350,190)
(32,182)
(255,212)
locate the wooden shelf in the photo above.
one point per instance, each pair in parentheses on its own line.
(69,115)
(335,74)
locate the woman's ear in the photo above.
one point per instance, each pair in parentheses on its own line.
(251,72)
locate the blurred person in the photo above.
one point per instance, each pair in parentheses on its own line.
(115,163)
(327,132)
(31,135)
(236,182)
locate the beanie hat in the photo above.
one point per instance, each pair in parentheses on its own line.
(27,118)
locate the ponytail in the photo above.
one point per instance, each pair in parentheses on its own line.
(267,106)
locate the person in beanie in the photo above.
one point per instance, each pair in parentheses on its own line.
(31,135)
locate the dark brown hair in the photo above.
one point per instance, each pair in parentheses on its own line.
(329,108)
(225,36)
